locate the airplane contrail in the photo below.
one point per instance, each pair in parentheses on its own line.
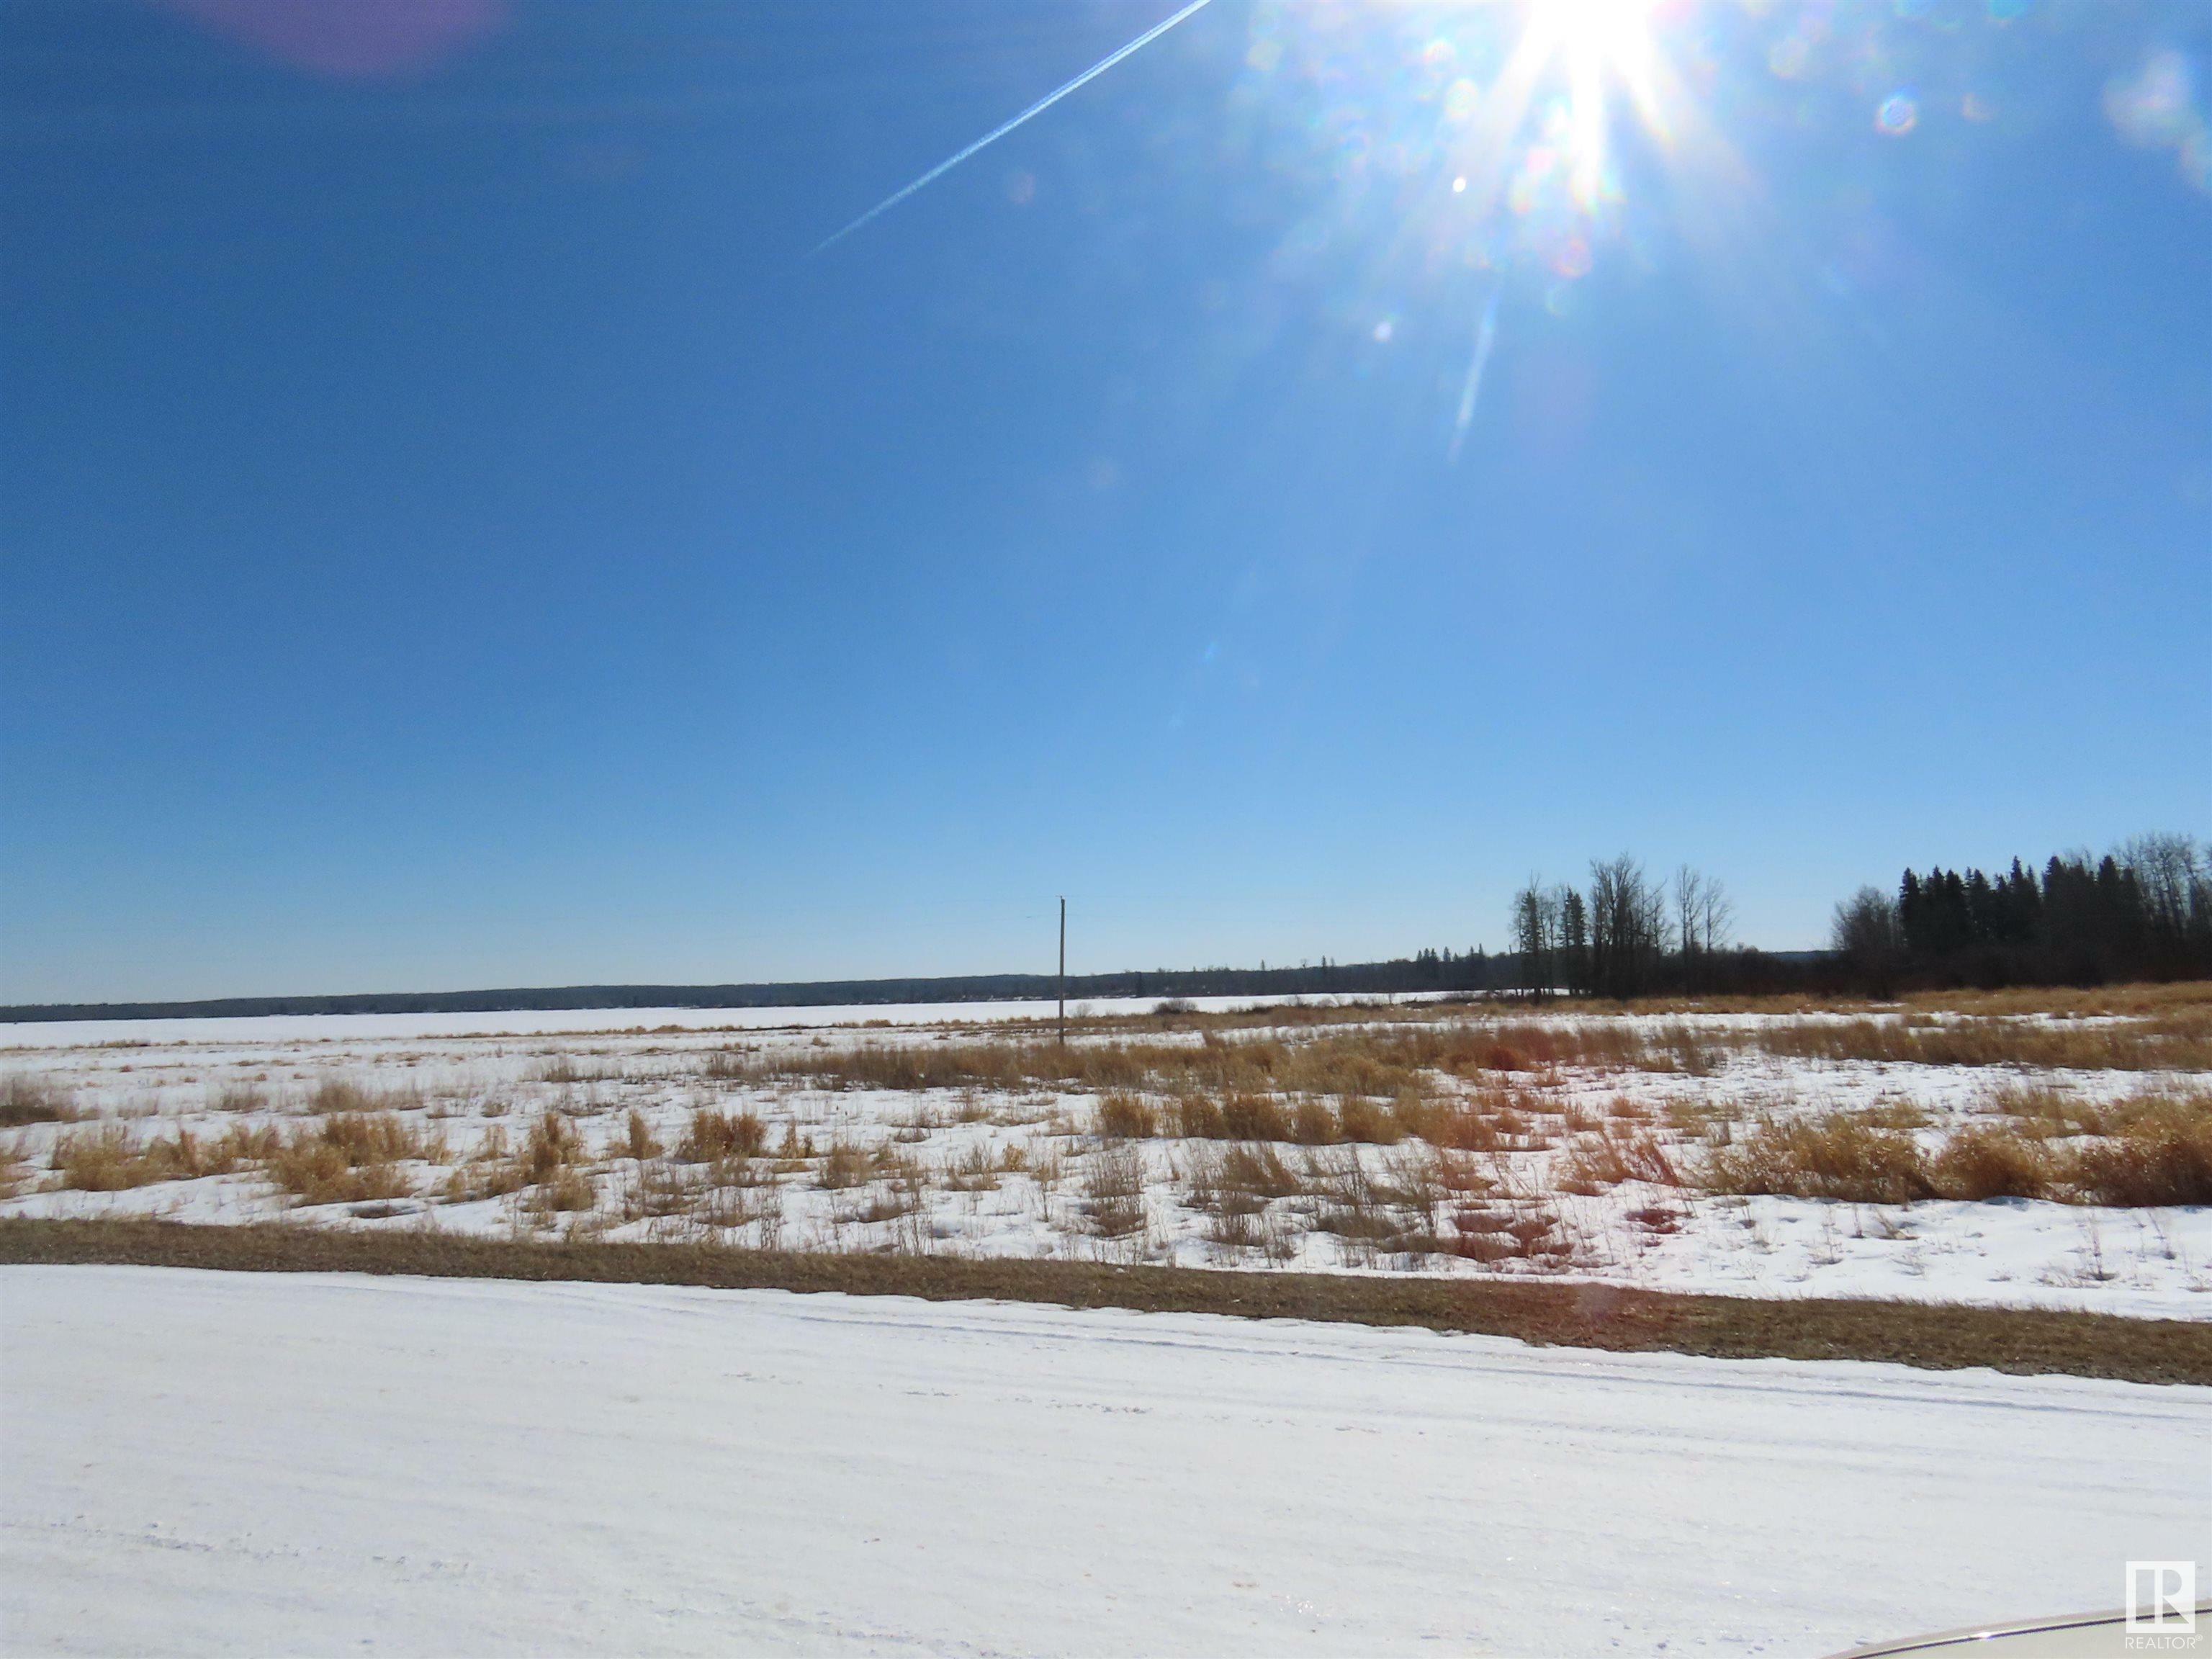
(1004,128)
(1485,337)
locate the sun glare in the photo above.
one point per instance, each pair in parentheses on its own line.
(1595,41)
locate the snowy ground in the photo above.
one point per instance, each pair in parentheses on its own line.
(1020,1170)
(538,1022)
(209,1462)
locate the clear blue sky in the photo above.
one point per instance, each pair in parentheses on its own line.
(456,534)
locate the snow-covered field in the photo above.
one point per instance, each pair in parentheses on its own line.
(542,1022)
(265,1463)
(1020,1168)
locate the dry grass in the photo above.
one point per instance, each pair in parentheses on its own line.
(638,1139)
(2176,1039)
(1838,1157)
(2157,1154)
(26,1099)
(564,1190)
(978,1169)
(1618,1153)
(713,1135)
(1114,1193)
(553,1146)
(351,1157)
(1251,1176)
(340,1095)
(1985,1161)
(740,1193)
(491,1172)
(1326,1077)
(1125,1117)
(658,1191)
(236,1096)
(727,1066)
(2051,1109)
(2107,1001)
(1594,1316)
(2061,1002)
(900,1191)
(1374,1063)
(2157,1157)
(843,1165)
(111,1158)
(1389,1209)
(1233,1188)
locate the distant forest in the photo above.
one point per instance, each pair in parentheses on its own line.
(1425,970)
(2143,911)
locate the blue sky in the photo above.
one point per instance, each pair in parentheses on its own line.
(456,534)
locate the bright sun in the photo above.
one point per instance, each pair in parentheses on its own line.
(1596,40)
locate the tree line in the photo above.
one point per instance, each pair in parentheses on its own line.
(2143,911)
(1629,934)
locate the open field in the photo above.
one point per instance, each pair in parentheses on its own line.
(492,1467)
(2052,1150)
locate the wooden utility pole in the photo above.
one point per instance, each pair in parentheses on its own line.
(1063,971)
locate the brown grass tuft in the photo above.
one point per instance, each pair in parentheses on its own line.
(552,1147)
(1254,1117)
(109,1160)
(1125,1117)
(336,1095)
(1840,1156)
(25,1099)
(565,1190)
(638,1141)
(350,1156)
(490,1172)
(844,1165)
(240,1097)
(1986,1160)
(2160,1158)
(1114,1193)
(2175,1040)
(713,1135)
(1595,1162)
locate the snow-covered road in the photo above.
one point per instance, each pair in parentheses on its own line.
(265,1463)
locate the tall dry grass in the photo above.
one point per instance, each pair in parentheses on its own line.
(713,1135)
(1838,1157)
(25,1098)
(2155,1157)
(1616,1154)
(1113,1183)
(350,1156)
(111,1158)
(1233,1187)
(2175,1040)
(1986,1160)
(336,1096)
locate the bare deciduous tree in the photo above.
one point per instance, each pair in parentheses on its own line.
(1866,933)
(1627,925)
(1715,918)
